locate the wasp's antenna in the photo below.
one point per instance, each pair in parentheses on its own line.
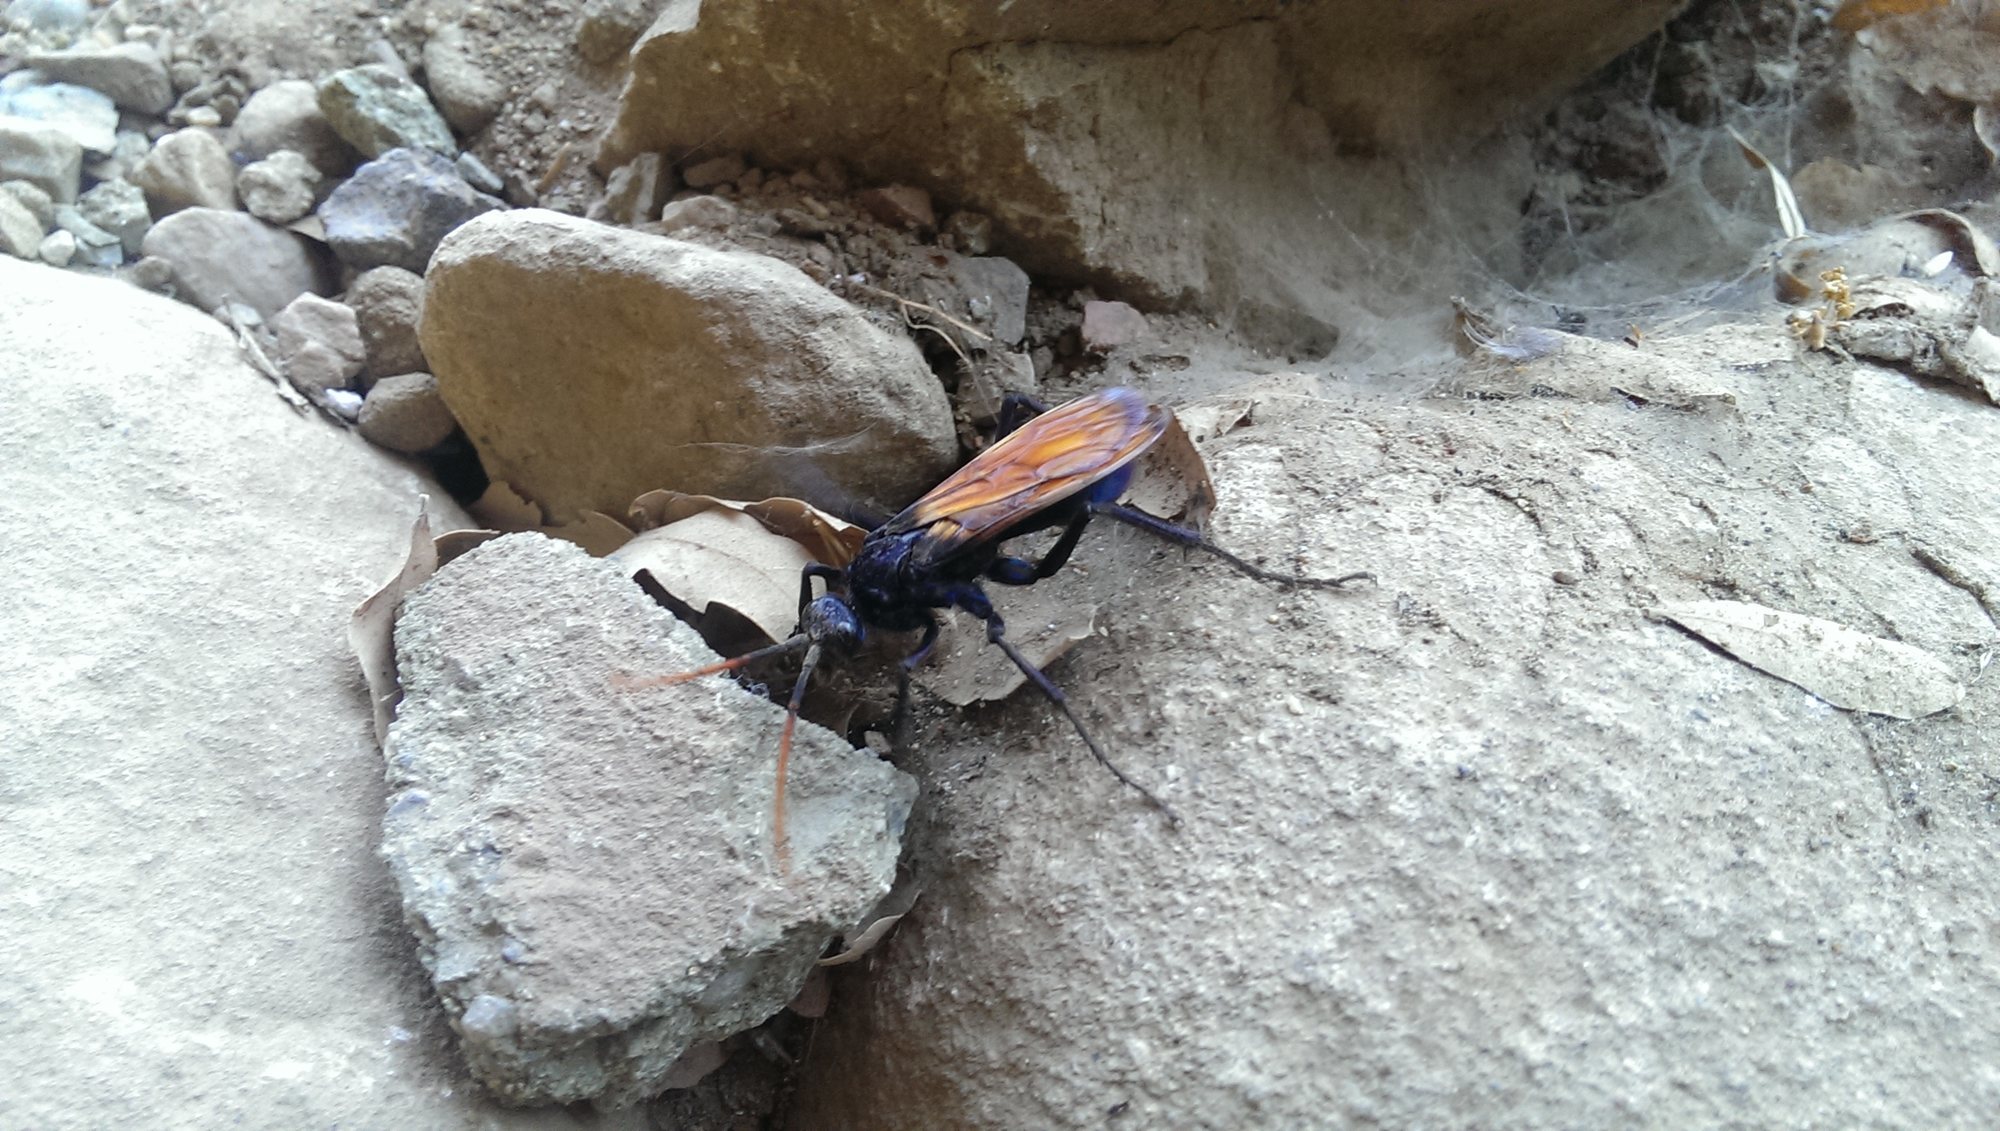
(781,648)
(785,758)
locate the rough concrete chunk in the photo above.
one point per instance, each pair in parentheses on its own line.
(590,870)
(549,335)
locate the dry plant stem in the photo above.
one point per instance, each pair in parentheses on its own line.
(910,303)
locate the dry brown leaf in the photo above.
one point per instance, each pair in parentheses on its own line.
(1172,480)
(722,556)
(746,558)
(1847,668)
(504,509)
(831,541)
(598,533)
(371,631)
(1971,247)
(452,543)
(887,912)
(813,997)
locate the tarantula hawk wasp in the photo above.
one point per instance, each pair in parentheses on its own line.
(1055,468)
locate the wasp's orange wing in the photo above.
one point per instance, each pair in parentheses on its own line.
(1048,459)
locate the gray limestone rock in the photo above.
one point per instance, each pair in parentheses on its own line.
(42,155)
(286,115)
(118,207)
(395,209)
(745,372)
(280,188)
(375,110)
(57,248)
(590,869)
(32,198)
(131,74)
(188,168)
(635,191)
(388,301)
(701,211)
(84,114)
(312,320)
(219,256)
(95,247)
(21,231)
(994,295)
(193,796)
(468,96)
(404,413)
(47,15)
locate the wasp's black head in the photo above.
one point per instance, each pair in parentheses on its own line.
(828,620)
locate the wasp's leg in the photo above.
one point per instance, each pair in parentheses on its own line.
(974,601)
(909,664)
(1021,571)
(1181,535)
(829,574)
(1016,409)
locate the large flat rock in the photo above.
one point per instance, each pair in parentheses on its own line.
(1484,846)
(200,930)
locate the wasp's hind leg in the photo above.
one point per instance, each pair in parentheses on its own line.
(1021,571)
(1184,536)
(974,601)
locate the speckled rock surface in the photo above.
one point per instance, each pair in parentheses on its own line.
(591,870)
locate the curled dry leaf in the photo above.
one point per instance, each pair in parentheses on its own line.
(1847,668)
(744,557)
(882,919)
(453,543)
(1790,219)
(371,631)
(698,1061)
(1172,479)
(830,540)
(504,509)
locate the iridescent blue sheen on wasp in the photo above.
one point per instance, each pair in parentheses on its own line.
(1057,469)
